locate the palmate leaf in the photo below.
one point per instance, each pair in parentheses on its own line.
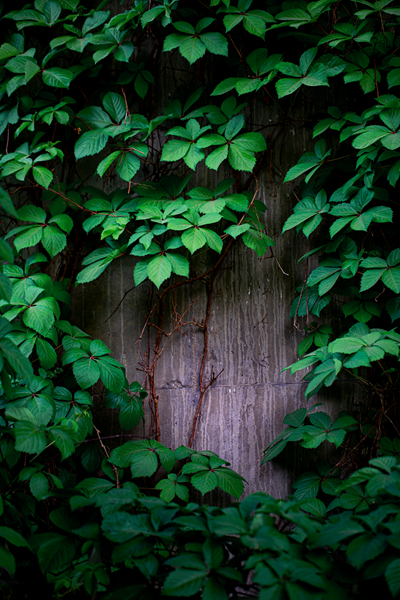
(7,560)
(86,372)
(13,537)
(53,240)
(192,49)
(144,463)
(229,482)
(30,237)
(214,160)
(42,407)
(123,455)
(392,576)
(63,442)
(90,143)
(42,175)
(365,547)
(179,264)
(159,269)
(111,374)
(40,318)
(215,43)
(175,150)
(391,278)
(370,278)
(56,77)
(28,438)
(257,241)
(241,159)
(46,354)
(93,486)
(6,203)
(184,582)
(204,481)
(19,363)
(38,485)
(193,239)
(307,485)
(131,413)
(54,551)
(107,162)
(127,166)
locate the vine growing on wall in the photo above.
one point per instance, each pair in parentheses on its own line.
(82,111)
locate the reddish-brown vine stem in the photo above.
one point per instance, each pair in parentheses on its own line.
(203,387)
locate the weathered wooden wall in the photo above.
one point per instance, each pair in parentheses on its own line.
(252,337)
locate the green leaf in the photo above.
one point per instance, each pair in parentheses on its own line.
(257,241)
(370,136)
(6,203)
(370,278)
(192,49)
(56,77)
(391,278)
(54,551)
(124,52)
(127,166)
(86,372)
(175,150)
(179,264)
(42,407)
(392,576)
(144,463)
(215,43)
(115,106)
(97,19)
(7,51)
(193,239)
(28,438)
(90,143)
(204,481)
(93,271)
(107,162)
(39,485)
(6,287)
(64,222)
(307,485)
(16,359)
(214,160)
(63,442)
(39,318)
(393,307)
(7,560)
(285,87)
(236,230)
(364,548)
(229,482)
(30,237)
(53,240)
(300,168)
(140,271)
(184,582)
(111,375)
(13,537)
(93,486)
(131,413)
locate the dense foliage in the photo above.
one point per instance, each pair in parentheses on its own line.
(81,107)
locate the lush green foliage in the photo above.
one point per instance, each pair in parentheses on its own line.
(77,96)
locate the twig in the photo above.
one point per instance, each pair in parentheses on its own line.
(114,468)
(119,303)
